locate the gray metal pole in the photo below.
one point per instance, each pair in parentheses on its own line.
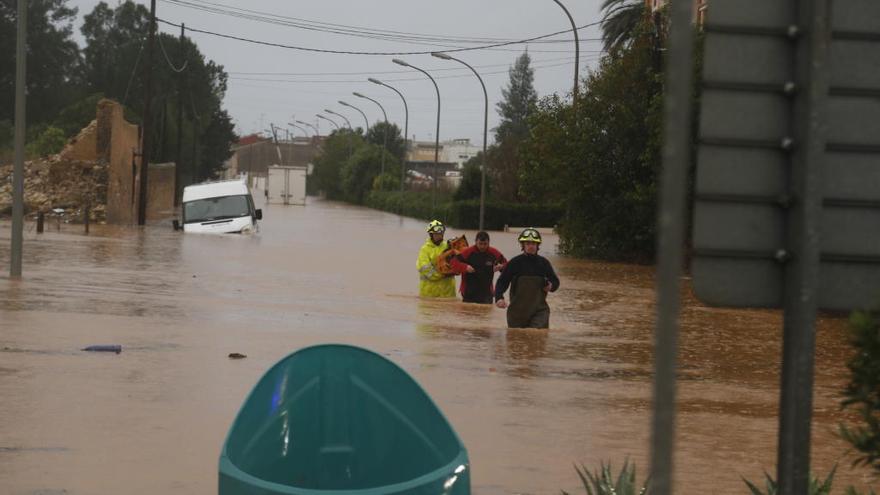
(18,166)
(328,120)
(577,56)
(436,134)
(485,134)
(145,141)
(366,121)
(385,133)
(671,223)
(317,133)
(178,172)
(405,129)
(350,131)
(802,271)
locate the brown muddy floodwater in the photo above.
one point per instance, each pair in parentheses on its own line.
(528,404)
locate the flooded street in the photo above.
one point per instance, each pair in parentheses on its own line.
(528,404)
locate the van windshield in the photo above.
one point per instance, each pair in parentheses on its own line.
(204,210)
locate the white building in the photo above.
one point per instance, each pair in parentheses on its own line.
(459,151)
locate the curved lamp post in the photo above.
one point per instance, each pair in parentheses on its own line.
(317,133)
(577,57)
(331,112)
(337,127)
(436,134)
(300,128)
(328,120)
(405,128)
(367,122)
(485,133)
(385,133)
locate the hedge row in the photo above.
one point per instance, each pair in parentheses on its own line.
(465,214)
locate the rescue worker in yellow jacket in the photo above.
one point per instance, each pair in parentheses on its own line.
(433,283)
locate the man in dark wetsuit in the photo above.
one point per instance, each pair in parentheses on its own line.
(477,265)
(530,277)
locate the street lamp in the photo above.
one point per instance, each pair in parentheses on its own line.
(385,133)
(331,112)
(350,131)
(328,120)
(405,128)
(359,110)
(577,57)
(300,128)
(485,133)
(317,133)
(436,134)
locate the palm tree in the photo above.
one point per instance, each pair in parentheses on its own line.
(620,23)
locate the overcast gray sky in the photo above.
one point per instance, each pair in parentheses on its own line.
(269,84)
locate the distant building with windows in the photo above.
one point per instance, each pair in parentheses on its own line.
(456,151)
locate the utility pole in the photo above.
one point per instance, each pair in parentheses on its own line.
(18,167)
(145,139)
(177,166)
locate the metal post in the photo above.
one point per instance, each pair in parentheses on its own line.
(350,131)
(577,57)
(18,166)
(366,121)
(317,133)
(405,129)
(328,120)
(86,218)
(670,241)
(436,134)
(384,134)
(485,134)
(145,139)
(41,218)
(177,166)
(802,271)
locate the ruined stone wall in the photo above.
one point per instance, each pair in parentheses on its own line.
(160,191)
(116,142)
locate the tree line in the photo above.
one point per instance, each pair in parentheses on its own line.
(65,82)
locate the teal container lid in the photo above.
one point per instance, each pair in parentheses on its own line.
(339,419)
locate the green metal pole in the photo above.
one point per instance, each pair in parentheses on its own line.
(18,166)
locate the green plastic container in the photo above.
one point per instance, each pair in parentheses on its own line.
(338,419)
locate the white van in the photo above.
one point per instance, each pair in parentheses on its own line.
(221,207)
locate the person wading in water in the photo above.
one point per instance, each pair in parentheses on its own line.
(477,265)
(530,277)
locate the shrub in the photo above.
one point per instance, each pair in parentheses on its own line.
(863,391)
(604,482)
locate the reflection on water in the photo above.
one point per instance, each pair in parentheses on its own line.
(528,403)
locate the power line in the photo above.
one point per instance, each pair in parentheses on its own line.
(168,59)
(402,79)
(341,29)
(349,52)
(584,54)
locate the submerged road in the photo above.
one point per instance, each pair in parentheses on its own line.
(528,404)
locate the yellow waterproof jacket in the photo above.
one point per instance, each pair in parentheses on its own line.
(432,283)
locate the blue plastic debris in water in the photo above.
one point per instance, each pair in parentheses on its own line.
(104,348)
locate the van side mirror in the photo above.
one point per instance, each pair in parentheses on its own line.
(258,214)
(176,224)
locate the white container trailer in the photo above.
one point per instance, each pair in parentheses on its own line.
(286,185)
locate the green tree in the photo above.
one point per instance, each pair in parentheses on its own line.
(327,173)
(471,179)
(52,59)
(518,103)
(112,63)
(217,136)
(621,21)
(396,145)
(519,98)
(862,393)
(360,172)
